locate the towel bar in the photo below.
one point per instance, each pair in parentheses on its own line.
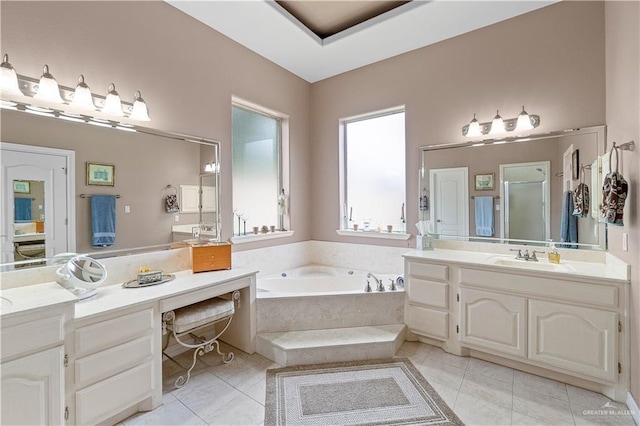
(89,196)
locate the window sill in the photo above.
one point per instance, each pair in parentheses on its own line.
(374,234)
(249,238)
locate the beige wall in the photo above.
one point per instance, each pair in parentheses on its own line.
(186,71)
(623,124)
(550,60)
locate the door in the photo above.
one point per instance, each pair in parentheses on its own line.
(33,389)
(493,321)
(450,201)
(51,169)
(574,338)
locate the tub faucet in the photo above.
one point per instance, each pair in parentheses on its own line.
(380,286)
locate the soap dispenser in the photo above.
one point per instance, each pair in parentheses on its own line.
(553,256)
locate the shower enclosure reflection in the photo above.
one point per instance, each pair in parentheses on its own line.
(525,201)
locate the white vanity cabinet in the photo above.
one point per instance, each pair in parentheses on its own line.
(427,293)
(571,327)
(33,367)
(114,365)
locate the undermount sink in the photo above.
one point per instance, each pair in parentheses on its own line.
(541,265)
(5,303)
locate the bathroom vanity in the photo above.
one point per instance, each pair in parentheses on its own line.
(568,322)
(99,360)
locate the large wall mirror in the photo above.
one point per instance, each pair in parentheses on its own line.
(514,190)
(51,169)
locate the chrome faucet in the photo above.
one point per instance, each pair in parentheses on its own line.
(380,286)
(533,257)
(519,255)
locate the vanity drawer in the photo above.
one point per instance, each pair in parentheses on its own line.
(29,336)
(100,401)
(429,322)
(429,270)
(111,332)
(107,363)
(558,289)
(428,293)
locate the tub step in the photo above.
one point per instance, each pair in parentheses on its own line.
(331,345)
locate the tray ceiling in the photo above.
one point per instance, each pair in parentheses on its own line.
(320,39)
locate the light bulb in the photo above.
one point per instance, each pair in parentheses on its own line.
(497,125)
(82,97)
(139,109)
(474,128)
(8,78)
(112,103)
(524,121)
(48,89)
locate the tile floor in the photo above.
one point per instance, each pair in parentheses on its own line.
(480,393)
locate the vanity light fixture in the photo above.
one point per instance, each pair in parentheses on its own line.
(82,97)
(44,96)
(209,167)
(8,77)
(112,103)
(498,125)
(139,109)
(48,89)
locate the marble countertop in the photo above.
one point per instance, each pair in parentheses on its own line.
(613,270)
(116,297)
(111,297)
(29,236)
(21,299)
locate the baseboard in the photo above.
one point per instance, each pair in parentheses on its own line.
(633,407)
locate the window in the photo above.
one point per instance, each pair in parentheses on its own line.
(373,177)
(257,169)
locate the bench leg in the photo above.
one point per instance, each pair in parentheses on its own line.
(201,348)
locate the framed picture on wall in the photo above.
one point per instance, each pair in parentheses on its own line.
(484,181)
(100,174)
(575,165)
(21,187)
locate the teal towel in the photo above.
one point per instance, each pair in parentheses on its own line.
(22,209)
(484,216)
(103,220)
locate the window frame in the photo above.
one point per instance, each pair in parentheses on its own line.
(343,215)
(283,168)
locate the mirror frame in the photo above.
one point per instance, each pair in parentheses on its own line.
(600,131)
(113,125)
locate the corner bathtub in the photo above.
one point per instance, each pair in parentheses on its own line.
(316,297)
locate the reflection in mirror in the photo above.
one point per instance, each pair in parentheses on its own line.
(514,190)
(28,220)
(146,162)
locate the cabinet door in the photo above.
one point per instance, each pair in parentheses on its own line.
(33,389)
(574,338)
(494,321)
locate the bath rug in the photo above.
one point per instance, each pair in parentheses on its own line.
(380,392)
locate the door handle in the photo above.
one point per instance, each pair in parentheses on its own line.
(438,220)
